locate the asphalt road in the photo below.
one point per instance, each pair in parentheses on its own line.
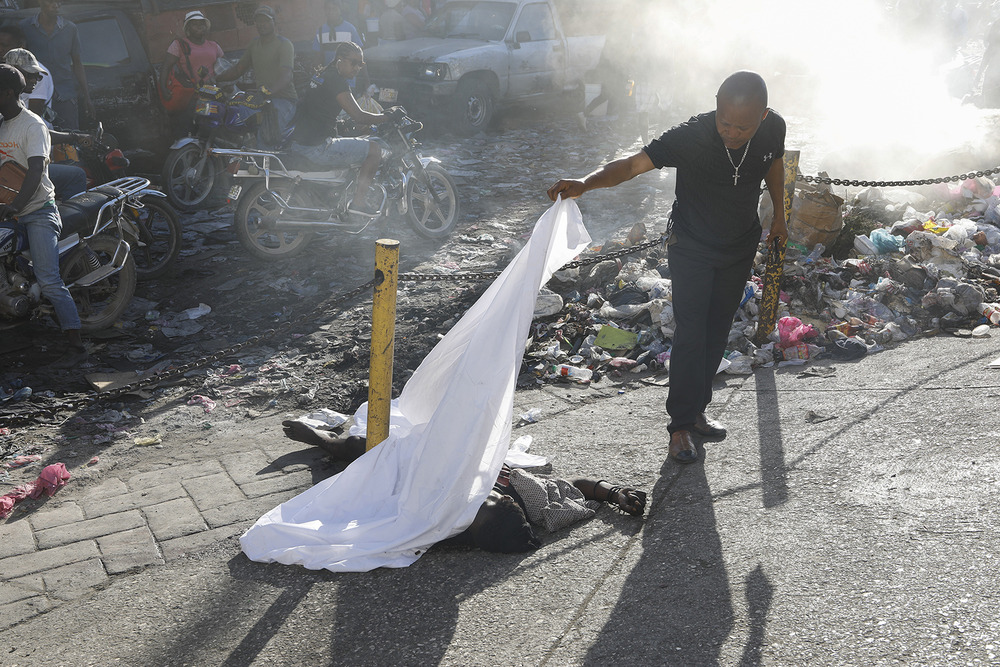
(846,520)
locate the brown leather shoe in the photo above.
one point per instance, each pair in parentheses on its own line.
(709,428)
(682,447)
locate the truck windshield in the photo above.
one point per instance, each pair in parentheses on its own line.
(472,20)
(102,43)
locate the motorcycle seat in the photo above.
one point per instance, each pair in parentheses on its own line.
(78,213)
(298,162)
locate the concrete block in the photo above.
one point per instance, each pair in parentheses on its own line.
(88,529)
(16,538)
(213,491)
(174,518)
(129,550)
(46,559)
(192,544)
(22,610)
(301,480)
(106,489)
(246,511)
(12,592)
(134,499)
(57,516)
(173,474)
(250,466)
(71,581)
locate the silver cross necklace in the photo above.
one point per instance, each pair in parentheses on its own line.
(736,167)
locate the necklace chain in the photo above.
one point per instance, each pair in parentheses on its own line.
(736,167)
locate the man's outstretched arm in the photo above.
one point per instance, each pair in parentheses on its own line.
(608,176)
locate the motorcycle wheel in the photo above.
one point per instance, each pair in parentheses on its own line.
(425,215)
(189,176)
(160,236)
(103,303)
(259,236)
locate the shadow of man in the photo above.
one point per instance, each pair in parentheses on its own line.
(675,607)
(382,617)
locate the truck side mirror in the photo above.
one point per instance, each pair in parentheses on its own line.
(522,36)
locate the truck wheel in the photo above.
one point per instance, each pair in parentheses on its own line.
(473,110)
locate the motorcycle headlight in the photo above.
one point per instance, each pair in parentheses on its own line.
(434,71)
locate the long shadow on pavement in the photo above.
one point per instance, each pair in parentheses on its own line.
(675,606)
(773,470)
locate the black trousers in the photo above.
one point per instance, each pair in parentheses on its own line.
(707,288)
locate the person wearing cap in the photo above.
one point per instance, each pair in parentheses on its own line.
(271,57)
(24,139)
(55,42)
(190,60)
(67,179)
(39,99)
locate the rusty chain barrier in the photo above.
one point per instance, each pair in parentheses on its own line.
(897,184)
(179,371)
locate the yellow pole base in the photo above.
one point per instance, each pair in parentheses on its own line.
(383,341)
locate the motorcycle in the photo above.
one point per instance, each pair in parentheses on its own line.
(95,256)
(191,170)
(159,237)
(284,199)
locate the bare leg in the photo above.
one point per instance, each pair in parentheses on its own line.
(343,449)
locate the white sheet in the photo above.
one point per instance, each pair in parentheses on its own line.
(449,432)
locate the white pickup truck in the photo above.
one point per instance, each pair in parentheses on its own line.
(482,53)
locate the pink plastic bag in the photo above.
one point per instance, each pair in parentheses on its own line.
(792,331)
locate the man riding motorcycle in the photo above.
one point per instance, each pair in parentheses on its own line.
(25,140)
(315,124)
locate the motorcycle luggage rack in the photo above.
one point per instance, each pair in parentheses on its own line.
(265,158)
(127,185)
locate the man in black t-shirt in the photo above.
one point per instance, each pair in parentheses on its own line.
(315,123)
(721,158)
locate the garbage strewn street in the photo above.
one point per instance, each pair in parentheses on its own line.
(841,522)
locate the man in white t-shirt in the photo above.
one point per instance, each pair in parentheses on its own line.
(24,139)
(68,180)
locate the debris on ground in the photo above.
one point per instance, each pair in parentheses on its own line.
(904,264)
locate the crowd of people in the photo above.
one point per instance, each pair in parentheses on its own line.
(305,125)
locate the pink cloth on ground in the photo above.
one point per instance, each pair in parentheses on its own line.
(52,478)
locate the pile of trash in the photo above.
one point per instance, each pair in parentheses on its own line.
(930,264)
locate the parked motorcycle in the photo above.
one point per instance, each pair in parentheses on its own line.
(283,199)
(159,240)
(94,256)
(191,171)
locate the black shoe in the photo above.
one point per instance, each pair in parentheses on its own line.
(682,447)
(709,428)
(73,357)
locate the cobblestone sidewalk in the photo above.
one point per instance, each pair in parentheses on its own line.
(77,541)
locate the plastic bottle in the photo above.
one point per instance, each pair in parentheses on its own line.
(575,373)
(990,311)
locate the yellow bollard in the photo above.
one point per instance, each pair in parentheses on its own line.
(383,341)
